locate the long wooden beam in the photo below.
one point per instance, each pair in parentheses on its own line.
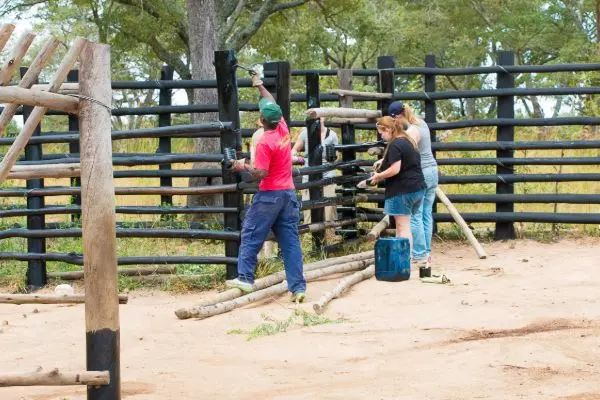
(327,112)
(33,72)
(55,378)
(18,95)
(16,57)
(354,93)
(49,299)
(6,31)
(45,171)
(36,115)
(67,87)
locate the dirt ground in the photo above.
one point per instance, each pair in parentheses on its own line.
(524,323)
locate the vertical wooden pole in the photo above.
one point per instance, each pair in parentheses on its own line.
(506,109)
(282,85)
(431,113)
(36,269)
(99,222)
(73,76)
(386,85)
(348,137)
(164,143)
(227,89)
(313,135)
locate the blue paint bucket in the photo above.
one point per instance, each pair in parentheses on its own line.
(392,259)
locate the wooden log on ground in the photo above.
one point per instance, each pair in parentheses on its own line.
(19,95)
(358,94)
(275,290)
(315,113)
(76,275)
(461,222)
(379,227)
(28,79)
(16,57)
(55,378)
(99,220)
(262,283)
(49,299)
(36,115)
(341,287)
(6,31)
(45,171)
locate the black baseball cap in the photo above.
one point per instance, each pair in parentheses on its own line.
(396,108)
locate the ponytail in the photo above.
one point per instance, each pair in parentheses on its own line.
(410,116)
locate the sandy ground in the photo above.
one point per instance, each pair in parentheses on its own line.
(525,323)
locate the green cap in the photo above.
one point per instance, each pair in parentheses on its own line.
(270,111)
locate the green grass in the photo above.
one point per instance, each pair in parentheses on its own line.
(298,318)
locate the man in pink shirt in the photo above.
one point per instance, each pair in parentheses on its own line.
(275,205)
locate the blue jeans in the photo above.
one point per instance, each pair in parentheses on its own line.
(421,222)
(278,210)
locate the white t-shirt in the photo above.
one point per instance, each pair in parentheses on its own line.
(329,140)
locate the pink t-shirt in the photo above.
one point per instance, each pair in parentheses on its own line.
(274,154)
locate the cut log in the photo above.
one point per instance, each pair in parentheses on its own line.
(55,378)
(352,120)
(39,98)
(6,31)
(461,222)
(45,171)
(28,79)
(379,228)
(278,289)
(358,95)
(326,112)
(275,278)
(341,287)
(75,275)
(49,299)
(16,57)
(38,112)
(375,151)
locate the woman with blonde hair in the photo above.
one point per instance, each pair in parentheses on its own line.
(401,170)
(422,220)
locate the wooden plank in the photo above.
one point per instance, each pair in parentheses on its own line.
(55,378)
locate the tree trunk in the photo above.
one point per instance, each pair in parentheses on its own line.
(203,43)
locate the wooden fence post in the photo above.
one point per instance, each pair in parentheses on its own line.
(431,114)
(386,85)
(99,221)
(283,78)
(36,269)
(348,137)
(75,199)
(164,143)
(313,135)
(227,89)
(506,109)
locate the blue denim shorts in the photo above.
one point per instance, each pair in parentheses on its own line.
(404,203)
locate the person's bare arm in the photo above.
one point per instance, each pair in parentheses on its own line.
(262,91)
(394,169)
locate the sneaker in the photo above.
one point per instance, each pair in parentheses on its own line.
(245,287)
(298,297)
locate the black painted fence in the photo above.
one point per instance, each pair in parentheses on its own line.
(350,201)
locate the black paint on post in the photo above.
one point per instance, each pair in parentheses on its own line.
(315,155)
(283,78)
(98,359)
(164,143)
(348,137)
(73,76)
(36,269)
(431,113)
(385,64)
(227,89)
(506,109)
